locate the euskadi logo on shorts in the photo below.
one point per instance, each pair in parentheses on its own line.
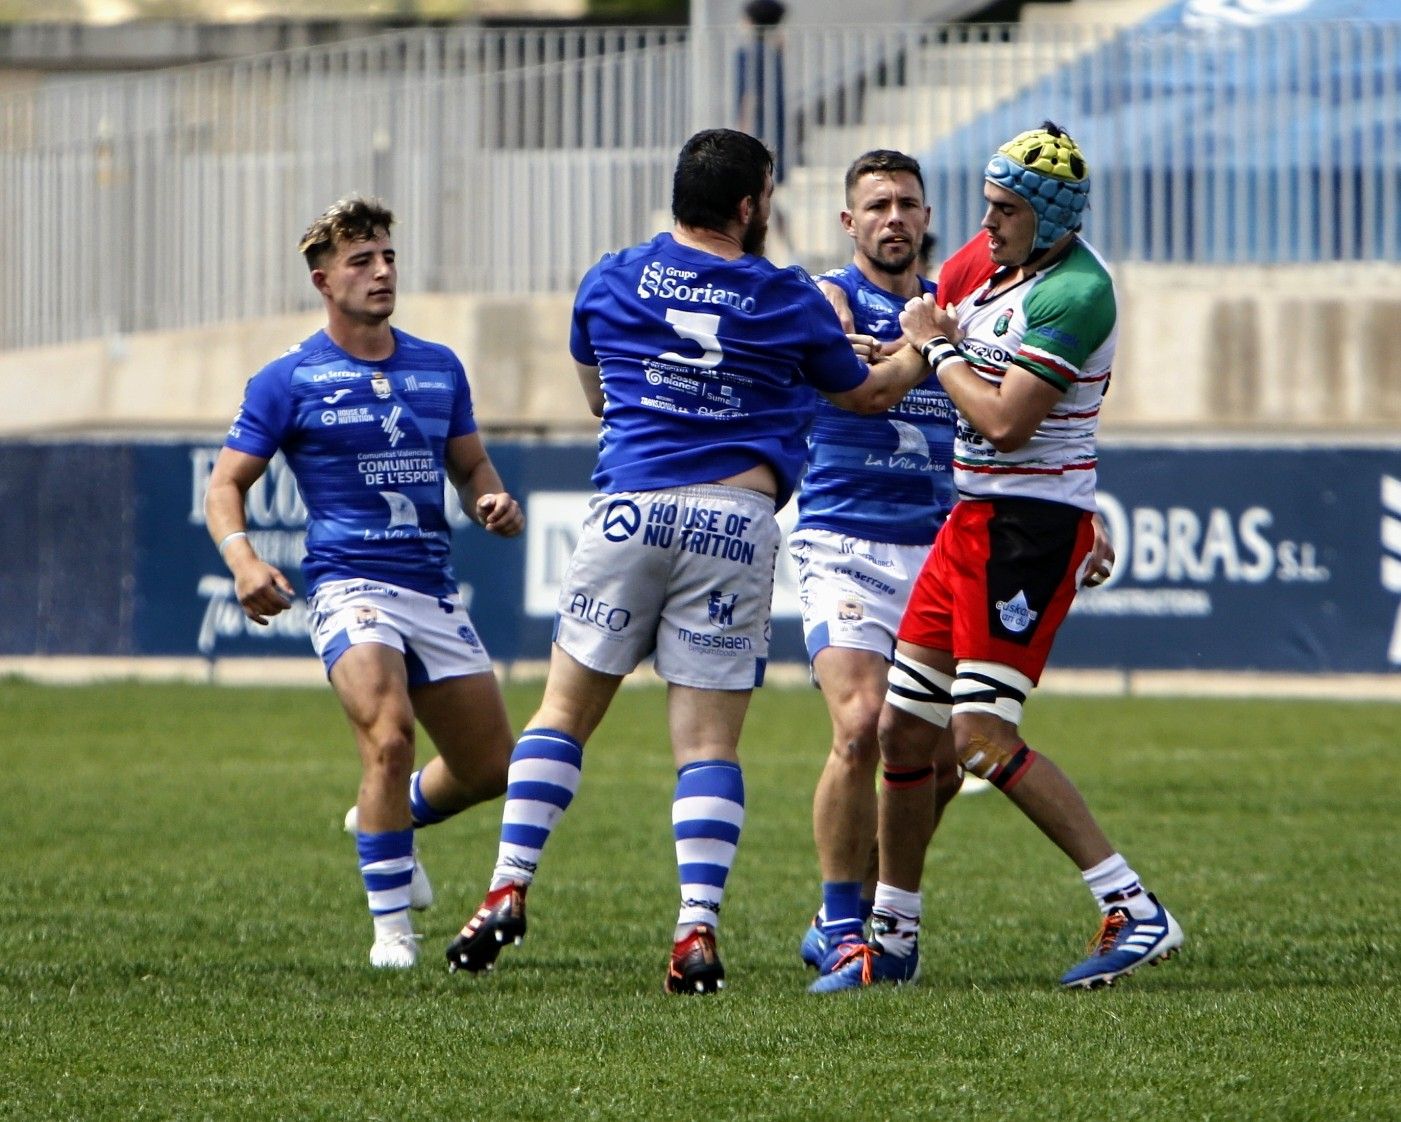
(721,608)
(621,520)
(1016,617)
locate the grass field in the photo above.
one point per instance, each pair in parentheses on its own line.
(184,934)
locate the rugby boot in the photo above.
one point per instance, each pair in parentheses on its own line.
(500,920)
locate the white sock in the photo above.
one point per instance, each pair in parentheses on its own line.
(895,920)
(1115,885)
(395,923)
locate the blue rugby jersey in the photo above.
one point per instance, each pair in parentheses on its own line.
(365,442)
(709,367)
(884,477)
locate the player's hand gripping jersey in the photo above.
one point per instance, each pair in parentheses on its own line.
(709,366)
(365,441)
(1062,325)
(883,478)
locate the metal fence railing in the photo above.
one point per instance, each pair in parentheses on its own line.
(513,158)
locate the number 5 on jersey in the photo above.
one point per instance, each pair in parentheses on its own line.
(701,328)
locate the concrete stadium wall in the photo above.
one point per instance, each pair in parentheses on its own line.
(1265,348)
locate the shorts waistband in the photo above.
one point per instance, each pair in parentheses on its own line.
(710,491)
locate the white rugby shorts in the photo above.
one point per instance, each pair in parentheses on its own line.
(685,574)
(434,633)
(852,591)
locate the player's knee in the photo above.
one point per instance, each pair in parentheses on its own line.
(854,742)
(389,755)
(903,742)
(991,750)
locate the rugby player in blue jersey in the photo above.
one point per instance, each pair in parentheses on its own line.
(704,361)
(373,423)
(876,490)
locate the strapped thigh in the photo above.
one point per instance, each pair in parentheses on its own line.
(920,690)
(990,687)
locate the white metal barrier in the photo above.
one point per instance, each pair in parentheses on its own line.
(513,158)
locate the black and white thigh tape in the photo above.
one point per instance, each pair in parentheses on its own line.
(920,690)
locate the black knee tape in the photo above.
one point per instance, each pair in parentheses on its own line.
(1007,776)
(902,778)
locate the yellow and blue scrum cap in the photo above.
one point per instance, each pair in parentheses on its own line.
(1046,168)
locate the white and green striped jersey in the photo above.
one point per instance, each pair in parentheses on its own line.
(1062,326)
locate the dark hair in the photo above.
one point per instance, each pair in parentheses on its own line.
(351,219)
(716,169)
(882,159)
(764,13)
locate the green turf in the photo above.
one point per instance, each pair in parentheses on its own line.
(184,937)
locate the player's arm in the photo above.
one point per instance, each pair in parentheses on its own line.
(261,588)
(1100,563)
(591,381)
(841,304)
(889,379)
(484,497)
(1007,415)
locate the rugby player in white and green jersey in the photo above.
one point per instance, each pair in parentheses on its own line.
(1026,360)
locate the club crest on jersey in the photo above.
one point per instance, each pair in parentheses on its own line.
(1015,615)
(1004,322)
(380,384)
(721,608)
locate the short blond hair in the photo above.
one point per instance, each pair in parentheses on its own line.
(351,219)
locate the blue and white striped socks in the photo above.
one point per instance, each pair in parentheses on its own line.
(540,785)
(707,815)
(386,864)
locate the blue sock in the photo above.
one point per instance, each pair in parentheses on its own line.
(707,815)
(841,908)
(423,812)
(540,785)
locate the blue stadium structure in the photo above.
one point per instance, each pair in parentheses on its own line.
(1210,113)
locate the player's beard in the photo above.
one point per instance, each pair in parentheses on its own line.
(755,234)
(894,266)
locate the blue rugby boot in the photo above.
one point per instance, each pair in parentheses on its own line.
(854,963)
(813,949)
(1123,944)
